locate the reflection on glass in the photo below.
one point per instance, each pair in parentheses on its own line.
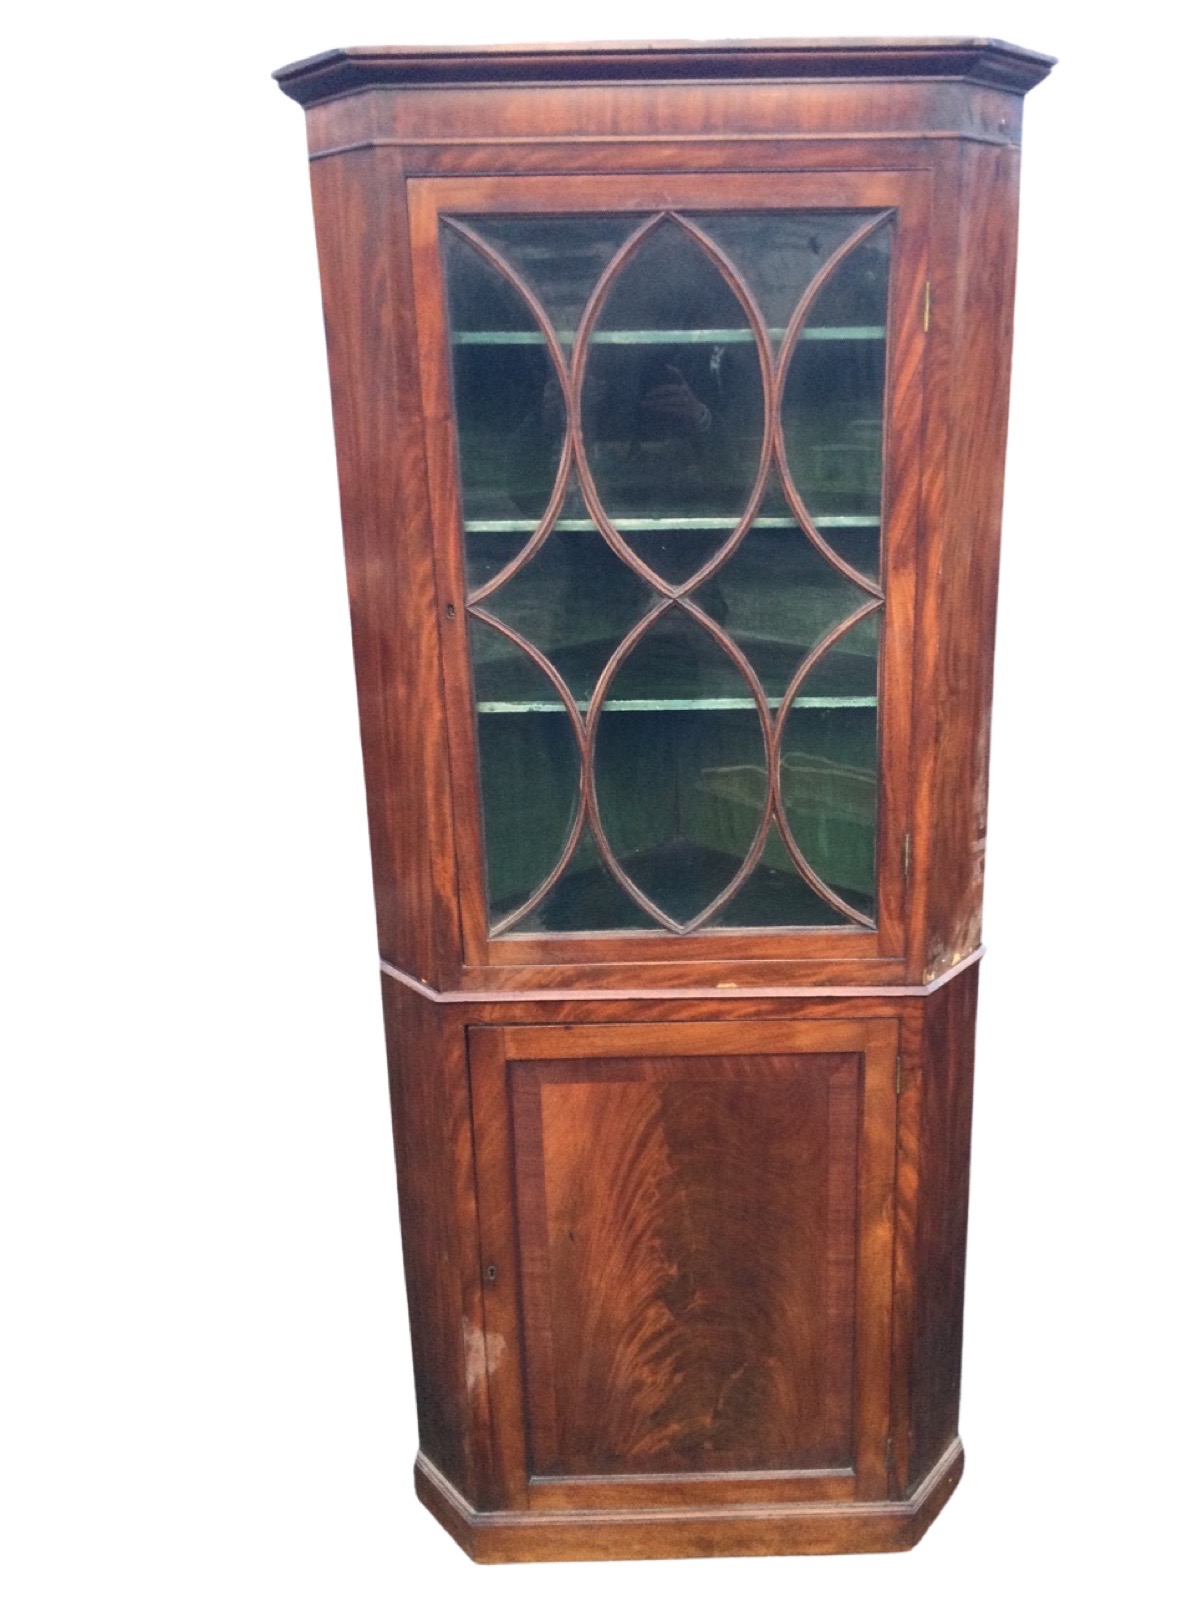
(779,253)
(673,412)
(671,427)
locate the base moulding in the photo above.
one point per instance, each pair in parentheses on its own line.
(729,1530)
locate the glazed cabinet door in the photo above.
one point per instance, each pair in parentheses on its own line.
(674,449)
(686,1248)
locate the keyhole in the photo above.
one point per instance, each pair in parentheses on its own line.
(490,1273)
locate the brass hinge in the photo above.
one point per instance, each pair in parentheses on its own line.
(906,857)
(899,1073)
(887,1456)
(928,300)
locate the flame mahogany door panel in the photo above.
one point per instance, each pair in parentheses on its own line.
(687,1244)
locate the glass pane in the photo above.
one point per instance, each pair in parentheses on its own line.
(776,597)
(529,768)
(680,766)
(508,403)
(832,410)
(775,895)
(673,404)
(828,766)
(575,600)
(586,896)
(779,252)
(559,258)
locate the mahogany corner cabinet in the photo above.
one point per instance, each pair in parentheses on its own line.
(670,388)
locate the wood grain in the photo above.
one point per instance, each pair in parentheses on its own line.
(941,1164)
(703,1221)
(389,556)
(689,1243)
(761,984)
(971,334)
(640,1534)
(432,1137)
(974,60)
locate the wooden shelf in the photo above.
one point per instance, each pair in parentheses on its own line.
(490,708)
(662,524)
(640,336)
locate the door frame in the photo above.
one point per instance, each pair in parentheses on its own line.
(908,194)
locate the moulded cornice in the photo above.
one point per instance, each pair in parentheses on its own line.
(989,62)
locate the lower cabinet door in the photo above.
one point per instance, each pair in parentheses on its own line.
(686,1236)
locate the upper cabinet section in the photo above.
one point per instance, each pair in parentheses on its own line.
(678,708)
(670,387)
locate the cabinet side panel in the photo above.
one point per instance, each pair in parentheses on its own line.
(946,1076)
(431,1129)
(971,342)
(358,200)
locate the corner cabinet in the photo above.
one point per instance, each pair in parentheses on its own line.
(669,390)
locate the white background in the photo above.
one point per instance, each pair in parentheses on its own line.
(205,1373)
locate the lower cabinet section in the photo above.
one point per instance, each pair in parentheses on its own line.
(702,1310)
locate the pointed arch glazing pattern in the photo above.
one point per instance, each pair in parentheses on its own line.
(792,463)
